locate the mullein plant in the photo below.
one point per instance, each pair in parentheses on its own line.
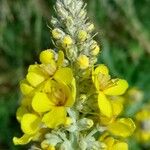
(69,102)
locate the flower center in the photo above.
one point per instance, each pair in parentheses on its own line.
(59,97)
(106,82)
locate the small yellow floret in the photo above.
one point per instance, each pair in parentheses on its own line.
(67,41)
(82,35)
(83,61)
(46,56)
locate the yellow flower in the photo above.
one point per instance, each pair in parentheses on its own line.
(30,125)
(38,74)
(112,143)
(54,102)
(122,127)
(142,117)
(49,88)
(107,87)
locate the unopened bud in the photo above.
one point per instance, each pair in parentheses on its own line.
(46,146)
(57,33)
(67,41)
(54,21)
(90,27)
(68,121)
(95,51)
(82,14)
(82,35)
(94,48)
(47,56)
(61,11)
(83,61)
(85,123)
(69,21)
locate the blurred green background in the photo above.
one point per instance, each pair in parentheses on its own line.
(124,36)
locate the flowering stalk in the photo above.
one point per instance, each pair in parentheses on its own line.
(69,102)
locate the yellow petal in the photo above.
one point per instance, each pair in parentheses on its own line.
(60,58)
(120,146)
(41,103)
(25,88)
(35,79)
(109,141)
(25,139)
(36,69)
(68,95)
(103,136)
(128,122)
(55,117)
(73,93)
(104,105)
(117,107)
(21,111)
(47,86)
(30,124)
(101,69)
(118,89)
(64,75)
(123,127)
(46,56)
(105,120)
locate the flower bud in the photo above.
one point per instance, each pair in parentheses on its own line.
(90,27)
(94,48)
(61,10)
(54,21)
(68,121)
(46,146)
(82,14)
(85,123)
(83,61)
(95,51)
(46,56)
(69,21)
(82,35)
(57,33)
(67,41)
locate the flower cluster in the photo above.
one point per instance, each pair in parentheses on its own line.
(49,88)
(68,101)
